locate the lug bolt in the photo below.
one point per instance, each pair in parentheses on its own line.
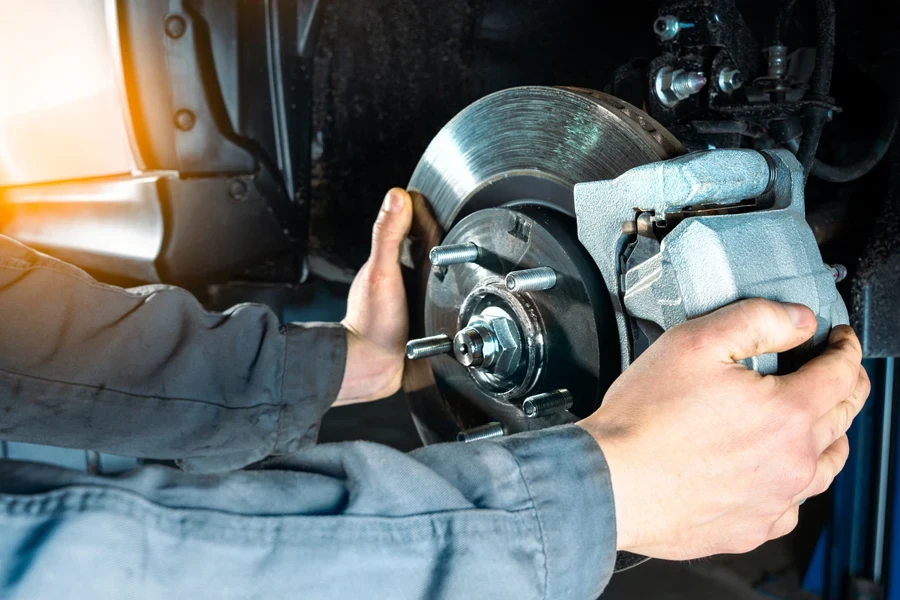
(839,272)
(429,346)
(549,403)
(531,280)
(455,254)
(484,432)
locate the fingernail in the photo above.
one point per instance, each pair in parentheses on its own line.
(800,316)
(393,202)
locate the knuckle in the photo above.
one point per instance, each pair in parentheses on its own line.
(796,425)
(863,387)
(800,476)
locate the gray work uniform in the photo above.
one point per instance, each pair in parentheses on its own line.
(148,372)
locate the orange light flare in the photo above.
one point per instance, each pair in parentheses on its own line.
(61,111)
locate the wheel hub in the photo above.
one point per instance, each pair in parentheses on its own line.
(511,344)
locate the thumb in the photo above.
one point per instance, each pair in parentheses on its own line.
(391,228)
(754,327)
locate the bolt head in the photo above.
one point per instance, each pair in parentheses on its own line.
(185,120)
(729,80)
(237,190)
(509,342)
(175,27)
(666,27)
(664,84)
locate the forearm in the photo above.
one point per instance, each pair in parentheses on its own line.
(149,373)
(526,517)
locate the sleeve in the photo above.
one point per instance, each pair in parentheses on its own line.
(530,516)
(147,372)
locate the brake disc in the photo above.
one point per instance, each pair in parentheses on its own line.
(520,153)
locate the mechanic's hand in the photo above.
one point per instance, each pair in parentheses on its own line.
(708,456)
(377,321)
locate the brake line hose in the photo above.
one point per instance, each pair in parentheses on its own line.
(815,116)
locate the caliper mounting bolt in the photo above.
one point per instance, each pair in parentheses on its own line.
(455,254)
(548,403)
(429,346)
(674,85)
(531,280)
(483,432)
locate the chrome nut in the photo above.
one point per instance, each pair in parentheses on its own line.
(509,342)
(665,82)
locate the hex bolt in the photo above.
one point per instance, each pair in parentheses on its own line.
(185,120)
(668,26)
(429,346)
(546,404)
(674,85)
(531,280)
(730,80)
(441,256)
(484,432)
(237,189)
(839,272)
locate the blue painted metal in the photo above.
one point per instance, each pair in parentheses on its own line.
(814,579)
(850,533)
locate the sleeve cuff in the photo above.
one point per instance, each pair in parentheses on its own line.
(569,483)
(314,361)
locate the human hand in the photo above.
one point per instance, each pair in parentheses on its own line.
(707,456)
(377,322)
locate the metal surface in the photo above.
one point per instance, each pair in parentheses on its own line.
(430,346)
(667,27)
(524,145)
(112,226)
(561,338)
(706,262)
(531,280)
(455,254)
(729,80)
(492,341)
(482,432)
(674,85)
(548,403)
(61,112)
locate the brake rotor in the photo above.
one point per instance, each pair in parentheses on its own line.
(501,176)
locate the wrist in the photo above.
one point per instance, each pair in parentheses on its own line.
(613,445)
(367,374)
